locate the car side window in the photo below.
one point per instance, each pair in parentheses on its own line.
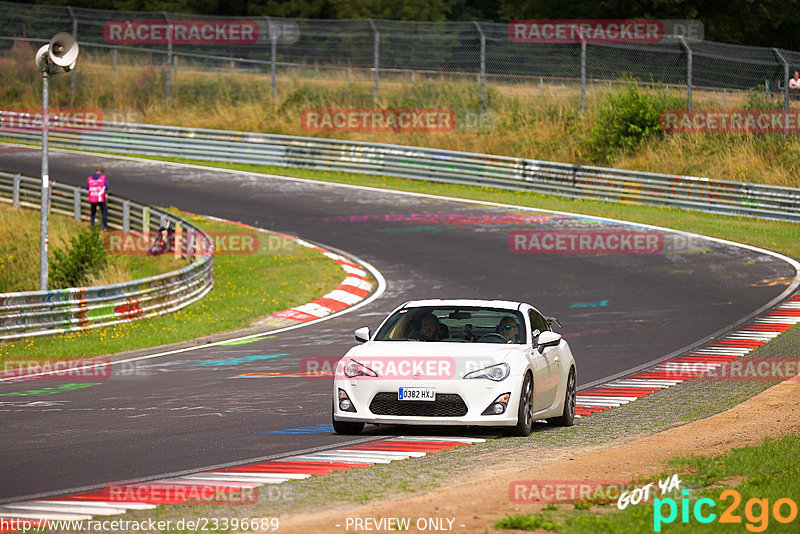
(538,324)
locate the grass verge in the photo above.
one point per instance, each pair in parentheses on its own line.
(766,498)
(246,287)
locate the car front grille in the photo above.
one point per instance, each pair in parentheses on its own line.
(445,405)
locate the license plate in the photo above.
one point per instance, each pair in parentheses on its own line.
(416,394)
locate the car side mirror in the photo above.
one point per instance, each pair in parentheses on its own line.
(551,321)
(549,339)
(362,334)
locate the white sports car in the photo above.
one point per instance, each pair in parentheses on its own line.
(457,362)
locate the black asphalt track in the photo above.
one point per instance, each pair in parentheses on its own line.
(195,409)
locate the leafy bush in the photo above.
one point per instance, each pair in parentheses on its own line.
(85,256)
(626,119)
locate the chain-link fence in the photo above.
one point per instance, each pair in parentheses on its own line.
(381,51)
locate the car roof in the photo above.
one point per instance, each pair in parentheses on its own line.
(504,304)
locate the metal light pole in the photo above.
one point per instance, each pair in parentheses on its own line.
(59,55)
(45,200)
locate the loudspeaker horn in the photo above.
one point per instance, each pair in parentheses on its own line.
(63,50)
(42,57)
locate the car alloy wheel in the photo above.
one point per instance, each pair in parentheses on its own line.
(525,411)
(568,417)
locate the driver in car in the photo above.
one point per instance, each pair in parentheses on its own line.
(509,329)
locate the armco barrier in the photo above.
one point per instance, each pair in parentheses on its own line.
(37,313)
(576,181)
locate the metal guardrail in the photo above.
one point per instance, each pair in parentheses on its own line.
(569,180)
(38,313)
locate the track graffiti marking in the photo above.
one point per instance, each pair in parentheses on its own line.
(50,391)
(595,304)
(237,361)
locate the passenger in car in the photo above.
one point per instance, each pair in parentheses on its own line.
(425,328)
(429,328)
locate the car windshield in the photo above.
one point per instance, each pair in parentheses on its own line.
(459,324)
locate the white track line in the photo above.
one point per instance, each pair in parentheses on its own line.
(103,504)
(448,439)
(8,511)
(71,508)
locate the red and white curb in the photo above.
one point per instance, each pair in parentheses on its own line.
(353,289)
(675,370)
(119,499)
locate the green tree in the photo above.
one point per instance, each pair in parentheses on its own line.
(308,9)
(425,10)
(769,23)
(481,10)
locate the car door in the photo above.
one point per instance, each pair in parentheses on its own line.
(546,388)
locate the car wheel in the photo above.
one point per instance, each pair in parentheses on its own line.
(346,428)
(568,417)
(525,411)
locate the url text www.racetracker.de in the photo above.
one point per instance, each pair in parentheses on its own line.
(199,524)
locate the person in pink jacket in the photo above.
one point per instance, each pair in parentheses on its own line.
(97,184)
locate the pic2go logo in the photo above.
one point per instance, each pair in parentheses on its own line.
(756,511)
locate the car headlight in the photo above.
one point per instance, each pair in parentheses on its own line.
(493,372)
(345,404)
(354,368)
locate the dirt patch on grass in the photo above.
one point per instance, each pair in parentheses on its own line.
(475,502)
